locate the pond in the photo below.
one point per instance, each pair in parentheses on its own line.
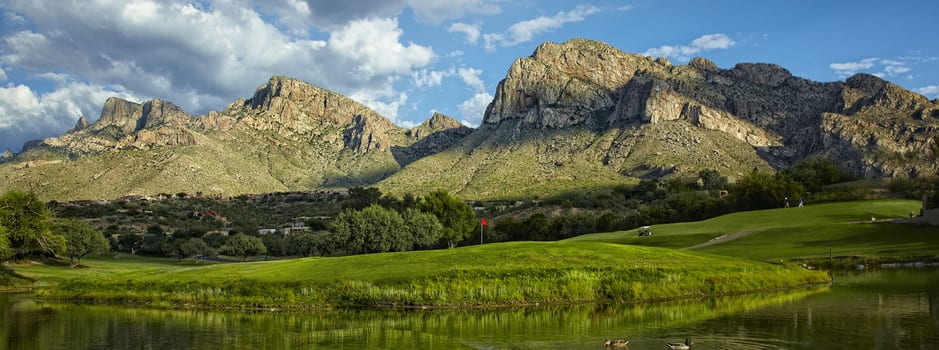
(885,309)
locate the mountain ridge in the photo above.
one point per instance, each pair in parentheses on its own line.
(578,115)
(290,135)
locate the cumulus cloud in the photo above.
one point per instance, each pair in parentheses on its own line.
(525,31)
(473,109)
(426,78)
(705,42)
(470,77)
(373,46)
(931,91)
(471,31)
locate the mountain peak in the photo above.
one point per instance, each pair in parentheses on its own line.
(80,125)
(440,121)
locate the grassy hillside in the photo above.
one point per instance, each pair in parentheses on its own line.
(497,274)
(844,228)
(509,163)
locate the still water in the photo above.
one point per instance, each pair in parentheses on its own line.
(887,309)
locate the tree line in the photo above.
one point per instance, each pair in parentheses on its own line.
(661,201)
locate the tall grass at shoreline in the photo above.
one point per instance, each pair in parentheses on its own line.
(519,273)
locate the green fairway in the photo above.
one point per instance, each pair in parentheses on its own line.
(844,228)
(519,273)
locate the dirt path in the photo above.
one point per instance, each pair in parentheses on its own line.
(720,239)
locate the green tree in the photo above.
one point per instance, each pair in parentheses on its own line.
(361,198)
(194,248)
(711,180)
(457,217)
(764,190)
(243,246)
(374,229)
(276,245)
(424,228)
(5,251)
(815,173)
(27,222)
(80,239)
(305,244)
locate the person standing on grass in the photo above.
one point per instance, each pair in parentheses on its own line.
(801,202)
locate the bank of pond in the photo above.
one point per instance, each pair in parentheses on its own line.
(492,275)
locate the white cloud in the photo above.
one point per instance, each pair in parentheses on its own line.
(470,77)
(846,69)
(525,31)
(471,31)
(373,46)
(931,91)
(884,68)
(426,78)
(713,42)
(472,110)
(705,42)
(3,75)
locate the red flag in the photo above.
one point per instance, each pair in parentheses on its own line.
(484,222)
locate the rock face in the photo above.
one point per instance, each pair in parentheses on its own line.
(582,83)
(436,134)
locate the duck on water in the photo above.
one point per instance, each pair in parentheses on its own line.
(680,346)
(615,343)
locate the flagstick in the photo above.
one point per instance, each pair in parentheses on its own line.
(481,232)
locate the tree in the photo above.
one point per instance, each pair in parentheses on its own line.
(129,242)
(5,251)
(361,198)
(80,239)
(711,180)
(194,247)
(815,173)
(26,219)
(764,190)
(457,217)
(243,246)
(276,245)
(375,229)
(425,230)
(303,245)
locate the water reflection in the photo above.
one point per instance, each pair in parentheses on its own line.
(857,313)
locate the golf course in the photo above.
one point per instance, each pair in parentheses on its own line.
(739,253)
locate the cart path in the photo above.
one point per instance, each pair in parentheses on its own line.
(720,239)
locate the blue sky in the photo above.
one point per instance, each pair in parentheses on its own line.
(407,58)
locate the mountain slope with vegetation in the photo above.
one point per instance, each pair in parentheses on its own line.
(578,115)
(583,114)
(289,136)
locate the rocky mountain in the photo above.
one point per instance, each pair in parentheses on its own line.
(583,114)
(289,136)
(579,115)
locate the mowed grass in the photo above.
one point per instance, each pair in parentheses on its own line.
(846,229)
(518,273)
